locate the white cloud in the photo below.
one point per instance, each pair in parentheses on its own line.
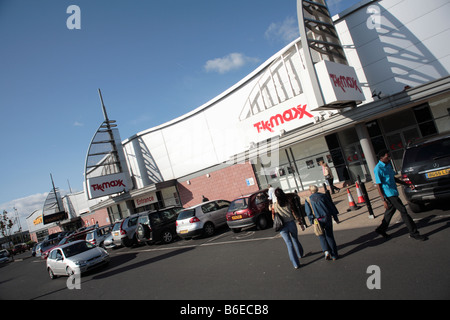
(78,124)
(233,61)
(285,31)
(25,206)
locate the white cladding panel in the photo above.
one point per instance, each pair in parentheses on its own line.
(398,43)
(405,43)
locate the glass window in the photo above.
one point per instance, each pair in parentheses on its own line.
(189,213)
(238,204)
(398,121)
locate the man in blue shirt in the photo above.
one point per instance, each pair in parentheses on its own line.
(386,184)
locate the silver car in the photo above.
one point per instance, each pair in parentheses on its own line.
(124,231)
(202,219)
(75,257)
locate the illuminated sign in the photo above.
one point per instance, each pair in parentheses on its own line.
(106,185)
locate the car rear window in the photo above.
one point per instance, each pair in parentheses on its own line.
(427,152)
(189,213)
(238,204)
(117,226)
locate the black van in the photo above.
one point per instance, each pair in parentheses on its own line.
(426,165)
(154,226)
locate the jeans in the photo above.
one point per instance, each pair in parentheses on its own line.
(290,236)
(327,241)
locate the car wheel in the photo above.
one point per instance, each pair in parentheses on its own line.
(128,242)
(208,229)
(167,236)
(416,207)
(69,271)
(262,222)
(236,230)
(51,274)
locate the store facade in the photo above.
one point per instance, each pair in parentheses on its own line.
(296,109)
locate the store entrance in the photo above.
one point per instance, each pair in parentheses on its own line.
(396,142)
(356,162)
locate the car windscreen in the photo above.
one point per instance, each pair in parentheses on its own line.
(189,213)
(238,204)
(428,152)
(77,248)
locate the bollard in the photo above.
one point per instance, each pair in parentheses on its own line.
(366,198)
(326,191)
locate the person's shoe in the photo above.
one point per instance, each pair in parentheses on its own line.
(383,234)
(418,237)
(327,255)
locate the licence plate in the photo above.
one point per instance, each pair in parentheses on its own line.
(438,173)
(116,233)
(239,216)
(183,231)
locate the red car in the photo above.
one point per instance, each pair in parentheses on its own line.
(250,210)
(253,210)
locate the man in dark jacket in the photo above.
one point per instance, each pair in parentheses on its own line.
(323,209)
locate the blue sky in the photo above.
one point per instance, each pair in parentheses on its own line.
(153,61)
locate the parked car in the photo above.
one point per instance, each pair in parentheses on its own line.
(202,219)
(249,210)
(75,257)
(426,165)
(46,246)
(5,256)
(98,235)
(158,225)
(59,242)
(108,243)
(124,233)
(19,248)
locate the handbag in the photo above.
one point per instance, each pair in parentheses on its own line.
(318,230)
(277,221)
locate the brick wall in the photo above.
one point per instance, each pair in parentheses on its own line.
(228,184)
(100,216)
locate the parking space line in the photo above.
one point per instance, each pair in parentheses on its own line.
(209,243)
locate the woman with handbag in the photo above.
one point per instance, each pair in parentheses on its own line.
(328,175)
(288,230)
(320,210)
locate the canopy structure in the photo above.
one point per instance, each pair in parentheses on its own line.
(106,170)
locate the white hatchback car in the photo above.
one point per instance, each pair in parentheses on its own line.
(75,257)
(202,219)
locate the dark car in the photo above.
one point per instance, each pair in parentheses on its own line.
(426,165)
(154,226)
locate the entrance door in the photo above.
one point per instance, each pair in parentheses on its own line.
(396,143)
(356,162)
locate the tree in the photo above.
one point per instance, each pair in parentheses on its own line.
(6,225)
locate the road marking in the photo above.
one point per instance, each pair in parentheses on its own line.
(200,245)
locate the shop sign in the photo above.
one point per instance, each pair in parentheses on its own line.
(106,185)
(145,200)
(275,121)
(288,115)
(338,82)
(38,220)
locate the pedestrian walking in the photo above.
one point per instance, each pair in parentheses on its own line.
(289,231)
(387,188)
(321,207)
(271,193)
(328,175)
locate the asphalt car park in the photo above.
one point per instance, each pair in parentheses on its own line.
(254,264)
